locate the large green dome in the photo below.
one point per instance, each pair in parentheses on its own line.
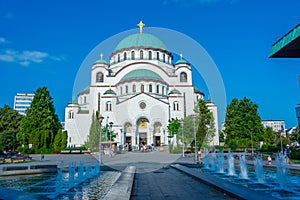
(141,40)
(141,74)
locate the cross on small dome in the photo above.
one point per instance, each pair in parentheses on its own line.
(141,25)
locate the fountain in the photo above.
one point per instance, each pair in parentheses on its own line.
(276,182)
(282,174)
(230,159)
(213,161)
(78,182)
(206,159)
(221,162)
(259,171)
(72,166)
(243,167)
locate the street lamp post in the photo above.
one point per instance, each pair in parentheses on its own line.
(282,130)
(182,123)
(195,138)
(110,125)
(164,131)
(100,141)
(251,142)
(106,129)
(121,135)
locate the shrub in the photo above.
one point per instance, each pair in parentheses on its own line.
(233,144)
(44,150)
(295,154)
(26,150)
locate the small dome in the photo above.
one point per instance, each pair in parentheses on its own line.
(100,61)
(181,61)
(110,91)
(141,40)
(142,74)
(174,91)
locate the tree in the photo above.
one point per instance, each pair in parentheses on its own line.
(60,140)
(242,120)
(93,141)
(64,140)
(94,136)
(269,136)
(188,130)
(206,125)
(9,127)
(40,125)
(173,127)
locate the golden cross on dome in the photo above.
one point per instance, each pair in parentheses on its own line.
(141,25)
(180,56)
(110,86)
(101,56)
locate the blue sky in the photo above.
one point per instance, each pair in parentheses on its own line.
(43,43)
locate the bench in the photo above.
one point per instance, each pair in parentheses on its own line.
(17,159)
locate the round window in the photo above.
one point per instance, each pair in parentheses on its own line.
(142,105)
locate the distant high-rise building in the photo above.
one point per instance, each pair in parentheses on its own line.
(22,102)
(298,113)
(276,125)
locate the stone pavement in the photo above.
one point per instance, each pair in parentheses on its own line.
(168,183)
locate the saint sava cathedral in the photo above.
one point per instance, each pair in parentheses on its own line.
(139,89)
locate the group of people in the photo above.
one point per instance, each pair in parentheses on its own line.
(146,148)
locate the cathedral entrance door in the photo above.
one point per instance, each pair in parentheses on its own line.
(157,141)
(143,138)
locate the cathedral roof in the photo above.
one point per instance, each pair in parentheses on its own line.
(142,74)
(141,40)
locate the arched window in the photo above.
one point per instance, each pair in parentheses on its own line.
(126,89)
(142,88)
(164,57)
(125,56)
(157,127)
(183,77)
(133,88)
(121,90)
(176,105)
(132,55)
(157,55)
(99,77)
(150,88)
(150,55)
(118,57)
(157,89)
(84,101)
(141,54)
(108,106)
(163,90)
(71,114)
(127,127)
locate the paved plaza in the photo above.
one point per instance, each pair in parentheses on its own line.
(155,177)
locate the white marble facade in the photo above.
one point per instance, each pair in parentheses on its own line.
(139,90)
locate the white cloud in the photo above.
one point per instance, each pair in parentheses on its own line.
(25,58)
(3,40)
